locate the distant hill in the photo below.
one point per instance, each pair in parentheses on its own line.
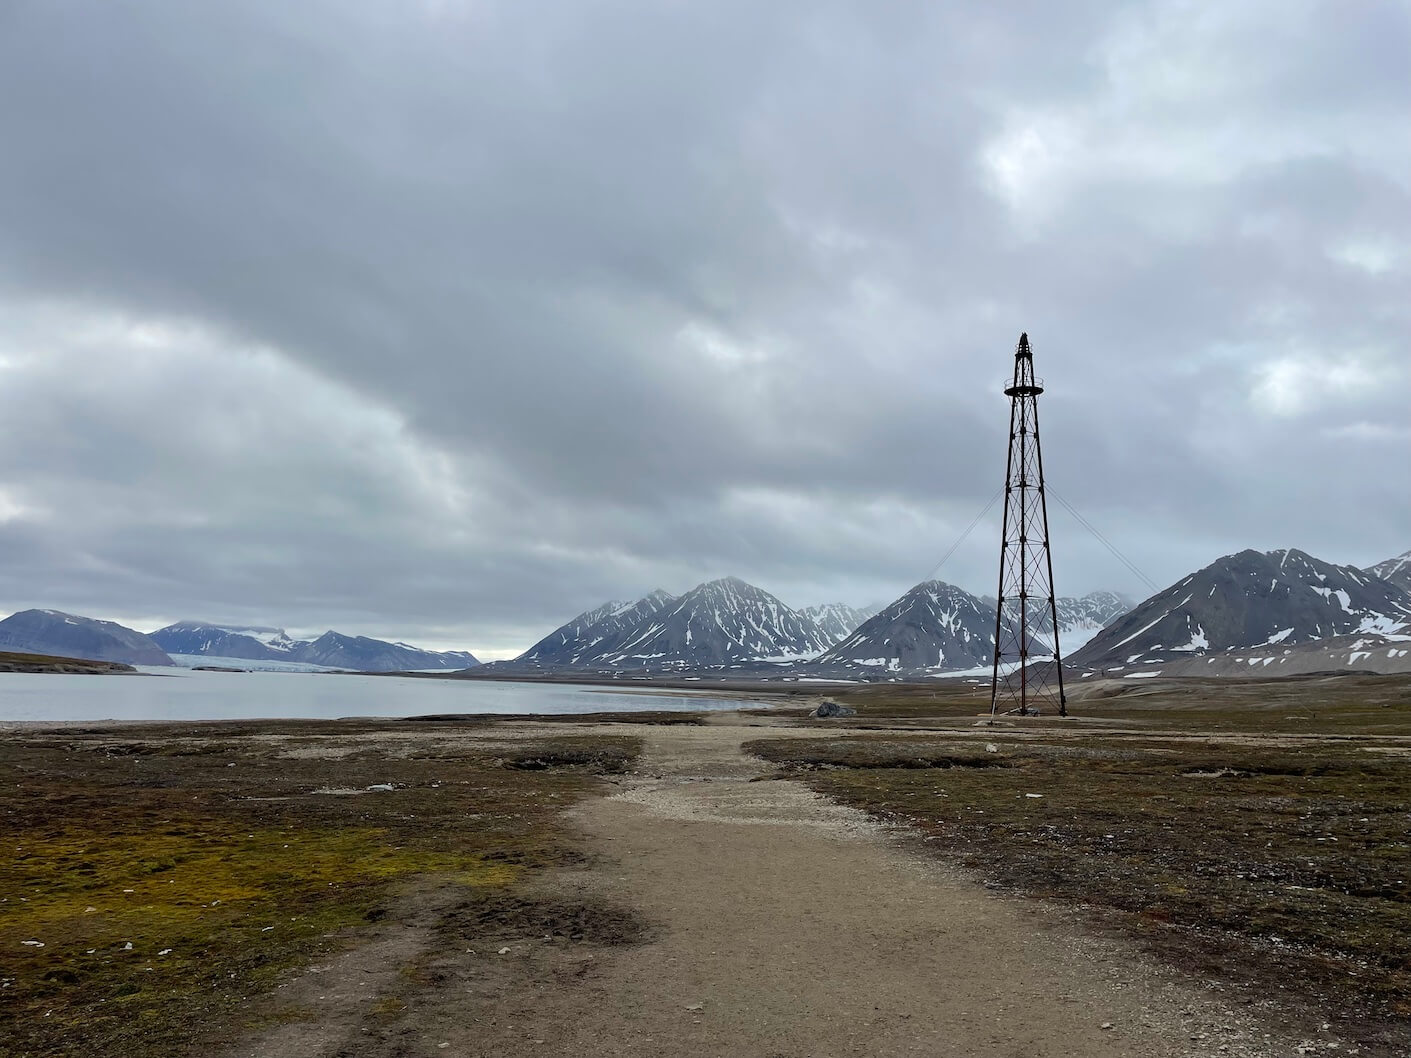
(331,650)
(70,636)
(1274,601)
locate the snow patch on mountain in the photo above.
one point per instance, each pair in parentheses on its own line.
(934,626)
(254,643)
(1250,599)
(720,622)
(837,620)
(1396,570)
(593,633)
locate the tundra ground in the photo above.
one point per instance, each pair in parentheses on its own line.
(1184,870)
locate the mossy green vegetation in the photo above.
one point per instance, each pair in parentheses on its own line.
(1281,863)
(153,881)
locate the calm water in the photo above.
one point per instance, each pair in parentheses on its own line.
(185,695)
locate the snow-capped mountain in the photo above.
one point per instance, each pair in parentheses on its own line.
(1251,599)
(449,659)
(561,644)
(335,650)
(1095,610)
(253,642)
(70,636)
(605,639)
(594,632)
(935,626)
(330,650)
(720,622)
(1397,570)
(1079,618)
(837,620)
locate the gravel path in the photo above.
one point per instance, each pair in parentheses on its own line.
(778,924)
(789,925)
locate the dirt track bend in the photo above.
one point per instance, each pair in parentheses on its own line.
(780,924)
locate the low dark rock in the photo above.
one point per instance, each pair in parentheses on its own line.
(24,662)
(830,709)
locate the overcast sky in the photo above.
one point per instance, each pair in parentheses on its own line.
(443,321)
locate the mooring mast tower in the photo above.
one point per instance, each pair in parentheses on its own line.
(1026,612)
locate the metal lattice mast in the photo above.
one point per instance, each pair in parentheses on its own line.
(1028,669)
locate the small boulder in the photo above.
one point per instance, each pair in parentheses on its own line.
(828,709)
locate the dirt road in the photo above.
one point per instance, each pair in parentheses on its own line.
(773,923)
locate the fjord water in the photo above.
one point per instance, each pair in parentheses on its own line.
(181,694)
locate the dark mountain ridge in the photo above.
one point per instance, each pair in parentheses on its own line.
(1245,600)
(594,633)
(1396,570)
(71,636)
(335,650)
(560,645)
(837,620)
(933,626)
(716,623)
(250,642)
(730,625)
(724,622)
(332,649)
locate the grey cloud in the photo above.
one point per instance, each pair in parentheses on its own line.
(577,301)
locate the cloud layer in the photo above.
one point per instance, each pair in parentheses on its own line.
(445,321)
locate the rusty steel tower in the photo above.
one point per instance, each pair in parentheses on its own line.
(1028,669)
